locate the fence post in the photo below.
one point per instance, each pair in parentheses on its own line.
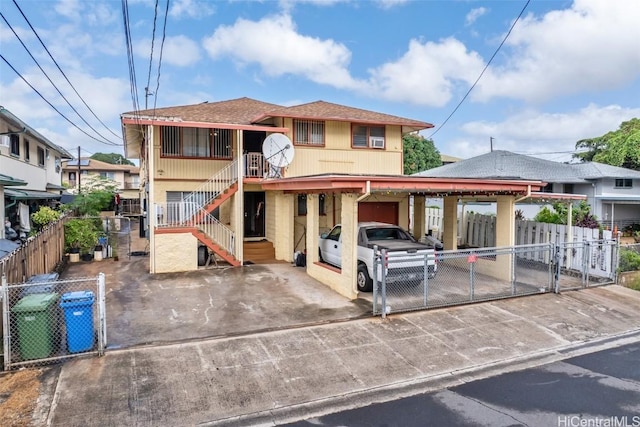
(471,276)
(384,260)
(6,329)
(513,270)
(556,267)
(376,262)
(425,278)
(586,262)
(102,322)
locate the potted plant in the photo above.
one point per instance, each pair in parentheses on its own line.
(80,237)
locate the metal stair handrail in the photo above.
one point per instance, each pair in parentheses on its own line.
(190,214)
(219,182)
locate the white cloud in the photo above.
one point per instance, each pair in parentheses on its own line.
(428,73)
(279,49)
(388,4)
(547,135)
(590,47)
(71,9)
(191,9)
(180,51)
(474,14)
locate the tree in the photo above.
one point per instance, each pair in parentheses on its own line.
(617,148)
(113,158)
(580,215)
(420,154)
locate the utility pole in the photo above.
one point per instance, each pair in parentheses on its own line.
(491,143)
(147,94)
(79,170)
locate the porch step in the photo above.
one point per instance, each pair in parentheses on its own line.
(261,252)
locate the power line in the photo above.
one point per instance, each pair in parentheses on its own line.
(107,141)
(153,40)
(132,70)
(483,70)
(65,76)
(50,104)
(164,34)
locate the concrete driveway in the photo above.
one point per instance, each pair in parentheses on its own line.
(145,309)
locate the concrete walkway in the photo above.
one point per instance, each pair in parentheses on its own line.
(278,376)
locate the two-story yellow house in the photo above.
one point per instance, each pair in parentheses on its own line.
(240,174)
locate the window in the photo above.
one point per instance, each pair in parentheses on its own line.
(27,153)
(308,132)
(547,188)
(108,175)
(567,189)
(196,142)
(302,205)
(624,183)
(15,144)
(368,136)
(40,156)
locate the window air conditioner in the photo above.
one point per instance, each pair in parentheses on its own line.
(376,142)
(5,141)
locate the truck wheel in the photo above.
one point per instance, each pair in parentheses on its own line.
(320,255)
(365,284)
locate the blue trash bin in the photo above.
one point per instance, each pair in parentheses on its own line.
(78,316)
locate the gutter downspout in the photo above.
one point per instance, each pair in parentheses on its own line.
(367,192)
(526,196)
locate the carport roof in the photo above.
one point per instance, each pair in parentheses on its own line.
(434,187)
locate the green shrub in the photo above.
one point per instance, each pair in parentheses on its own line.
(80,234)
(44,216)
(629,260)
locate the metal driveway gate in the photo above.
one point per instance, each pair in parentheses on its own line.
(482,274)
(44,320)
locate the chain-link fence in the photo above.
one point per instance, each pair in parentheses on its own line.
(445,278)
(113,238)
(46,319)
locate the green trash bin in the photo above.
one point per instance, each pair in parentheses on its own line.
(36,316)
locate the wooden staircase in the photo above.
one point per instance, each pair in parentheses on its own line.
(261,252)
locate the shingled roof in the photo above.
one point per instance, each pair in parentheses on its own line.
(501,164)
(247,111)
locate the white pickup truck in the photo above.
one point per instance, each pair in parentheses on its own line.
(396,241)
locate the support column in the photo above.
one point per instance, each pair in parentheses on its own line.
(506,221)
(284,238)
(349,236)
(312,229)
(450,226)
(238,206)
(419,225)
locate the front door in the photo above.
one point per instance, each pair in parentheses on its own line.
(254,208)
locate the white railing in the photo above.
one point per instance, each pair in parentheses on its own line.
(222,180)
(190,214)
(255,166)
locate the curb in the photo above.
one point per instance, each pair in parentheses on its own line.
(425,384)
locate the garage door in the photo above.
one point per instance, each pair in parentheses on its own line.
(378,211)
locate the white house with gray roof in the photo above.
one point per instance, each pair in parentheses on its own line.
(612,192)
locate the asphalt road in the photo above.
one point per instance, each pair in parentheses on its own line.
(600,389)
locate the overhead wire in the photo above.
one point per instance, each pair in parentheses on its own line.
(164,34)
(129,45)
(483,70)
(106,140)
(153,40)
(48,102)
(63,74)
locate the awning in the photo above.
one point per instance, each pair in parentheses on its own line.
(51,186)
(29,194)
(7,180)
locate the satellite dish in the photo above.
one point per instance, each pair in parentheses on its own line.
(277,149)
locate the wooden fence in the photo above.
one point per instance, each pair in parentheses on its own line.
(478,230)
(41,254)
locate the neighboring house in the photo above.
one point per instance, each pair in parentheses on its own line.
(252,180)
(446,159)
(26,155)
(612,192)
(126,177)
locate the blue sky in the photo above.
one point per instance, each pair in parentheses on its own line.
(568,70)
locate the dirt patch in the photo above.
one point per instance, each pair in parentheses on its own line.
(18,396)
